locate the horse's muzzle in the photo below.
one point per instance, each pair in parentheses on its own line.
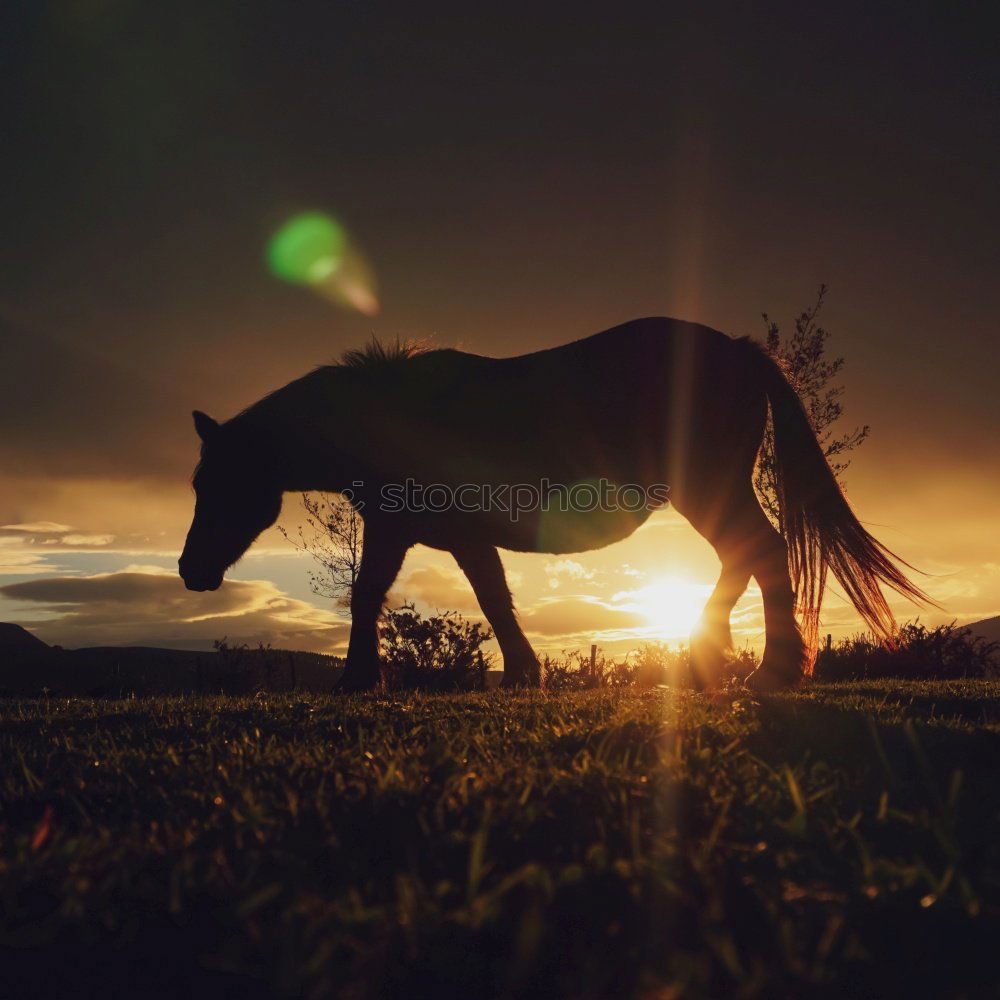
(201,581)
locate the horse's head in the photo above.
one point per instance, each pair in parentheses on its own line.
(234,502)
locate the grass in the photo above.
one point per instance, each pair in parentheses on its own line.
(840,840)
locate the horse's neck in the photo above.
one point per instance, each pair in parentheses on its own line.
(296,427)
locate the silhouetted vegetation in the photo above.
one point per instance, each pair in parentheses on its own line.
(442,652)
(576,671)
(803,357)
(946,652)
(650,665)
(333,536)
(243,669)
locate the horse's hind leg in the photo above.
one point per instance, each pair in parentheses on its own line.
(785,658)
(481,564)
(748,545)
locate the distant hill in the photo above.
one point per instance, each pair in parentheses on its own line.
(16,637)
(28,666)
(988,628)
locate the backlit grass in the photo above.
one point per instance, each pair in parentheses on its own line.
(839,839)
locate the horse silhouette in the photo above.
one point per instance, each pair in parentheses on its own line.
(655,404)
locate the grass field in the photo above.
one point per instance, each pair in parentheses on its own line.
(842,840)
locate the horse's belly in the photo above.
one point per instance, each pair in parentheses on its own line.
(558,532)
(584,520)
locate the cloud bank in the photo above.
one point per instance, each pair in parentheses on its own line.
(148,606)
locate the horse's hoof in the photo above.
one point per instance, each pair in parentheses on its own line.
(521,673)
(354,685)
(708,669)
(763,681)
(709,660)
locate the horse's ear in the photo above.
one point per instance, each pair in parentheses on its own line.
(206,427)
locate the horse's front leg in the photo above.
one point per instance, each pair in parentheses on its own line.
(712,639)
(382,557)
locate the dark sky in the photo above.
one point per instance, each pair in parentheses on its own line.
(519,177)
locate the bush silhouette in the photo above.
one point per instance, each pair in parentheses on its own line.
(442,652)
(946,652)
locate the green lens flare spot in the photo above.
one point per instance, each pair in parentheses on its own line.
(322,267)
(307,249)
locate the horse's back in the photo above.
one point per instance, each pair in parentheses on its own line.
(654,350)
(649,338)
(607,400)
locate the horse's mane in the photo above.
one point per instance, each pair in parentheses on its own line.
(378,355)
(374,356)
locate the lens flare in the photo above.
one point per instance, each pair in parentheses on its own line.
(585,515)
(313,249)
(307,248)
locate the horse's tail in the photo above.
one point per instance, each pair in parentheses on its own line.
(816,519)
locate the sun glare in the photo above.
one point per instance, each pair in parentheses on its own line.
(672,605)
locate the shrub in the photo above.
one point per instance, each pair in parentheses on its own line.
(442,652)
(575,671)
(241,669)
(651,664)
(947,652)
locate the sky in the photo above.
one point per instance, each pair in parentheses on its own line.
(515,177)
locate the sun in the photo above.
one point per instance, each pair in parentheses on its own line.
(672,605)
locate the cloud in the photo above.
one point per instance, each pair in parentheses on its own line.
(153,608)
(88,541)
(573,617)
(27,547)
(567,569)
(442,589)
(21,563)
(52,533)
(37,528)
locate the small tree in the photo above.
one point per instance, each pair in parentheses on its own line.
(803,356)
(333,535)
